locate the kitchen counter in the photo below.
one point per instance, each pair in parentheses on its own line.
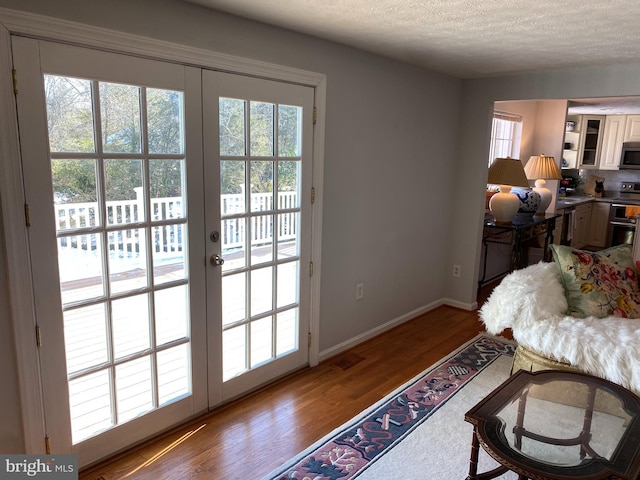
(572,201)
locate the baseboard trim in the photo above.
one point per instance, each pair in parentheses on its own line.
(457,304)
(352,342)
(346,345)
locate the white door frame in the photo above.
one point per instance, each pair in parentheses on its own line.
(12,197)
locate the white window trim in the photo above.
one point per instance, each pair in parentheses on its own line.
(11,184)
(516,137)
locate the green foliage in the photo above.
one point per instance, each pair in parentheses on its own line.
(121,177)
(71,129)
(74,181)
(233,140)
(165,178)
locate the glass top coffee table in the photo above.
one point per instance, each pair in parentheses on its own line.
(554,425)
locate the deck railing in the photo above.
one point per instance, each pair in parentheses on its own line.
(168,239)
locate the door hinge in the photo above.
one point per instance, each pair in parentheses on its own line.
(311,269)
(14,74)
(27,216)
(313,194)
(315,114)
(309,341)
(38,336)
(47,445)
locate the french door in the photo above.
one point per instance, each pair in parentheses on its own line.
(168,234)
(259,151)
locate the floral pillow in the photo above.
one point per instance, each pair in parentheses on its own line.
(600,283)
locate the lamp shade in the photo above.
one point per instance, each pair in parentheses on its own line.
(507,171)
(542,168)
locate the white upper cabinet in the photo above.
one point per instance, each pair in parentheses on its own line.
(583,141)
(617,130)
(632,129)
(614,134)
(590,141)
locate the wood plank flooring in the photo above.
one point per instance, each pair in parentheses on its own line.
(259,432)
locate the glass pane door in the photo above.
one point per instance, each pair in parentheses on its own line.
(118,297)
(263,147)
(117,169)
(260,200)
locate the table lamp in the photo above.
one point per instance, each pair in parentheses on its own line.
(506,172)
(542,168)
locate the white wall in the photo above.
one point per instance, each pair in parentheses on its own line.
(478,97)
(391,139)
(552,115)
(550,123)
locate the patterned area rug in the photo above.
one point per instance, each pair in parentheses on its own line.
(359,447)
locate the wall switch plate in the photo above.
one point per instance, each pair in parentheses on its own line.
(360,291)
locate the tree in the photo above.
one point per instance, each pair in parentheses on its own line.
(233,140)
(71,129)
(74,181)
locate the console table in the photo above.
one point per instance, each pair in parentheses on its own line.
(516,235)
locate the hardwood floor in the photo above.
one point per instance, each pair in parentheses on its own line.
(259,432)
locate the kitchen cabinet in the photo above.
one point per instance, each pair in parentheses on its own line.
(632,128)
(596,140)
(612,139)
(617,130)
(590,141)
(571,142)
(583,141)
(557,232)
(581,221)
(598,224)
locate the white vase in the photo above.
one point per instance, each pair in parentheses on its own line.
(504,205)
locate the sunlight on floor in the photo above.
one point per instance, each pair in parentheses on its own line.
(166,450)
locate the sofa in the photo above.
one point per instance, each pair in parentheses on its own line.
(580,312)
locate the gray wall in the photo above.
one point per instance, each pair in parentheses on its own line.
(391,134)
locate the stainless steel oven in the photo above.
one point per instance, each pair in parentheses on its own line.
(621,228)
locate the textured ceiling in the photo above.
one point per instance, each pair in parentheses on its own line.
(605,106)
(464,38)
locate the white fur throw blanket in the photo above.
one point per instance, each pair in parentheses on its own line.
(531,302)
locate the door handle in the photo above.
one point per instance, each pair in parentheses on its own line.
(216,260)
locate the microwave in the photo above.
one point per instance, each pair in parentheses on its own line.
(630,155)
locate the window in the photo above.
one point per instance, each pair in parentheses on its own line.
(505,136)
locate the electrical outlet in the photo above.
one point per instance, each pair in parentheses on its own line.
(456,270)
(360,291)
